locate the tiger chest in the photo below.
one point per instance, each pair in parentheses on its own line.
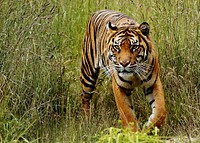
(128,81)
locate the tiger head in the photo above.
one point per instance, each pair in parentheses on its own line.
(128,50)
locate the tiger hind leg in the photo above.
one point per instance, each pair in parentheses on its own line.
(86,97)
(88,81)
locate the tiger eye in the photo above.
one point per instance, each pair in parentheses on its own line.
(134,47)
(116,47)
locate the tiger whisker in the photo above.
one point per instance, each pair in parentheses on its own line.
(140,74)
(109,70)
(142,69)
(146,66)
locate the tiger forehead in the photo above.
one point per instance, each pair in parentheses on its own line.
(132,40)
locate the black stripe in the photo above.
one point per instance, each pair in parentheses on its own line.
(121,78)
(147,51)
(119,17)
(87,77)
(86,60)
(150,76)
(92,53)
(125,34)
(86,95)
(148,90)
(128,93)
(152,63)
(142,47)
(89,93)
(110,56)
(95,73)
(146,56)
(151,102)
(117,34)
(84,66)
(145,42)
(89,66)
(87,85)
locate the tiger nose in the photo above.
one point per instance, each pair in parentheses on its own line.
(124,63)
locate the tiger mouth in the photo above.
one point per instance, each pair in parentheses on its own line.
(125,73)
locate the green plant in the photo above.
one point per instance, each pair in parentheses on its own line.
(116,135)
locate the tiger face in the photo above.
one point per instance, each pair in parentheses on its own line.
(128,52)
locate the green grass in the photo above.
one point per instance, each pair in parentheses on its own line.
(40,50)
(115,135)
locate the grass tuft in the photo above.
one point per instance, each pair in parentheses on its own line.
(116,135)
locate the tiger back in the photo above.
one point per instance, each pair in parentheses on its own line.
(123,48)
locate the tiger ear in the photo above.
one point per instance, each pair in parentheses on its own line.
(144,28)
(111,27)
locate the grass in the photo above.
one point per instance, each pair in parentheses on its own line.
(40,50)
(116,135)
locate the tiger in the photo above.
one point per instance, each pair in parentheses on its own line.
(122,47)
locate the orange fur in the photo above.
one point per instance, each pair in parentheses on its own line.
(122,47)
(124,107)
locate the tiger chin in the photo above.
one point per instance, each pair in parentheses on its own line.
(123,48)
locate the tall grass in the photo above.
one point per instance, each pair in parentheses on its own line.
(40,49)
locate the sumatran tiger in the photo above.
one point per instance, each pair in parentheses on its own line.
(123,48)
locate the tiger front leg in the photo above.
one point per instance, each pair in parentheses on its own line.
(124,107)
(155,96)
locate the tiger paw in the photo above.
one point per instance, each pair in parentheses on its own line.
(147,127)
(150,128)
